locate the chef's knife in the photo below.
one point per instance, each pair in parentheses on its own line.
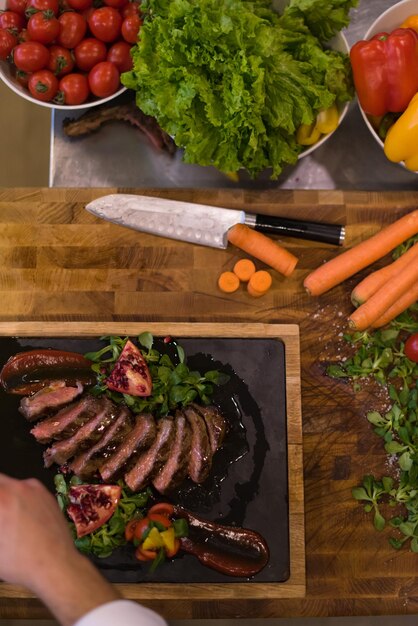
(200,223)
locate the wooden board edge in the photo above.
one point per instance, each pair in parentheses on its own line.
(295,586)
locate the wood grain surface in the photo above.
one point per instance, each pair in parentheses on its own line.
(59,263)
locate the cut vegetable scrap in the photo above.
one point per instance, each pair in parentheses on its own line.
(259,283)
(360,256)
(263,248)
(228,282)
(244,269)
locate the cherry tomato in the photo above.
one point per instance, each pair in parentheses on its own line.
(30,56)
(80,5)
(73,89)
(116,4)
(105,24)
(120,55)
(22,77)
(43,85)
(23,35)
(7,43)
(164,508)
(104,79)
(131,8)
(411,348)
(145,555)
(61,60)
(18,6)
(10,19)
(89,52)
(160,519)
(73,27)
(130,28)
(130,528)
(43,27)
(140,527)
(33,6)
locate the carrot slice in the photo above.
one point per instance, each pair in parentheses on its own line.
(360,256)
(385,297)
(403,303)
(228,282)
(377,279)
(262,248)
(259,283)
(244,269)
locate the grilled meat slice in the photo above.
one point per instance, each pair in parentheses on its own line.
(53,396)
(86,464)
(85,436)
(150,461)
(138,439)
(65,423)
(174,470)
(200,461)
(215,424)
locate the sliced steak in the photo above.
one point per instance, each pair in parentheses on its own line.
(86,464)
(67,421)
(55,395)
(150,461)
(200,460)
(215,424)
(174,470)
(85,436)
(138,439)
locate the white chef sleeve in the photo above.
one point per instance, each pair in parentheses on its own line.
(121,613)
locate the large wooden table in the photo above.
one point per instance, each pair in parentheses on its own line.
(59,263)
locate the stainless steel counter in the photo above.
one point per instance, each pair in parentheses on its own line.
(120,156)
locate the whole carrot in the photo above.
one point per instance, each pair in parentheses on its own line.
(360,256)
(385,297)
(377,279)
(262,248)
(404,302)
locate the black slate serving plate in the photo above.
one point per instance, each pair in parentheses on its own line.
(248,483)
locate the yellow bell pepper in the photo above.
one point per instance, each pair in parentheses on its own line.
(168,537)
(411,22)
(326,122)
(153,541)
(401,143)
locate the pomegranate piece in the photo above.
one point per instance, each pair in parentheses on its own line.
(130,374)
(91,506)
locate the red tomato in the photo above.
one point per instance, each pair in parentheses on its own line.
(10,19)
(22,77)
(43,27)
(23,35)
(73,27)
(411,348)
(18,6)
(140,527)
(145,555)
(103,82)
(120,55)
(130,374)
(130,528)
(161,519)
(91,506)
(43,85)
(7,43)
(105,24)
(73,89)
(61,60)
(131,8)
(163,508)
(89,52)
(30,56)
(80,5)
(116,4)
(130,28)
(33,6)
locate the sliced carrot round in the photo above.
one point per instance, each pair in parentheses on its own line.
(259,283)
(244,269)
(228,282)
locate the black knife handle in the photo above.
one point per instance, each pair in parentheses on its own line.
(315,231)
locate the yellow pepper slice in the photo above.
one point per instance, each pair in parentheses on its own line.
(401,143)
(168,538)
(307,134)
(327,120)
(153,541)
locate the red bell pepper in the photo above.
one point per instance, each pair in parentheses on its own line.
(385,71)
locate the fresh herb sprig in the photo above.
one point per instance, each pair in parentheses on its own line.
(111,535)
(174,385)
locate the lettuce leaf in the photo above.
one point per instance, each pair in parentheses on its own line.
(231,80)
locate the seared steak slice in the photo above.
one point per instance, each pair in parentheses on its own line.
(150,461)
(55,395)
(87,463)
(200,460)
(65,423)
(84,437)
(215,424)
(139,438)
(174,470)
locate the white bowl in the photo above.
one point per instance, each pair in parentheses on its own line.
(389,20)
(6,75)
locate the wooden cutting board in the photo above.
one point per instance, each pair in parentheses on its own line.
(59,263)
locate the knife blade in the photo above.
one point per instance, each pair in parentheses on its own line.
(202,224)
